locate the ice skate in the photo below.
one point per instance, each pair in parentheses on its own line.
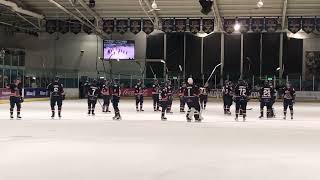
(163,118)
(11,117)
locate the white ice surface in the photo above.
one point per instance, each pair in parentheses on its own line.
(141,147)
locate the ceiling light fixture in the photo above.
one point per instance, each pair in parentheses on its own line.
(260,4)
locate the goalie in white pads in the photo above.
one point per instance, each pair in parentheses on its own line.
(191,95)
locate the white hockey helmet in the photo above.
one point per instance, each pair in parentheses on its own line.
(190,81)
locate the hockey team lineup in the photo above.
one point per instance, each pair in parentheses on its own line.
(193,99)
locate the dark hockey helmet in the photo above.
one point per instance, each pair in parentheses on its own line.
(56,79)
(94,82)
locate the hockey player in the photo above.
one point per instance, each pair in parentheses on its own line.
(163,100)
(106,96)
(170,95)
(289,95)
(241,98)
(93,93)
(181,96)
(15,97)
(266,99)
(204,96)
(138,91)
(56,92)
(116,92)
(227,97)
(192,99)
(155,95)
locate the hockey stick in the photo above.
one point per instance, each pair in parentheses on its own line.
(213,72)
(154,75)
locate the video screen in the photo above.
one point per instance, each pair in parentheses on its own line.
(118,50)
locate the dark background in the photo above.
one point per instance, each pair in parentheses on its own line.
(292,54)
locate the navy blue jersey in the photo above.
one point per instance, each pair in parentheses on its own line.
(241,92)
(163,94)
(182,90)
(191,91)
(289,93)
(16,90)
(204,91)
(116,90)
(169,90)
(155,88)
(105,90)
(93,91)
(227,90)
(55,89)
(267,93)
(138,90)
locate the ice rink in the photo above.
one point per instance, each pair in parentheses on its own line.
(141,147)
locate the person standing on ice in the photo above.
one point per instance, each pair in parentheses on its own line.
(227,97)
(163,100)
(138,92)
(267,94)
(191,95)
(56,92)
(241,98)
(181,96)
(170,95)
(106,96)
(289,95)
(15,97)
(93,93)
(155,95)
(116,92)
(204,95)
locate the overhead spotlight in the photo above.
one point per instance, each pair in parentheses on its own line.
(206,6)
(154,5)
(260,4)
(237,26)
(92,3)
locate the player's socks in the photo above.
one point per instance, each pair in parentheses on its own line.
(237,116)
(244,117)
(59,113)
(92,112)
(52,113)
(11,114)
(291,114)
(18,115)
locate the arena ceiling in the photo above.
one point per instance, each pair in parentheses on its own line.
(169,8)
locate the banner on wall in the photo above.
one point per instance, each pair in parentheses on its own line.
(257,24)
(4,94)
(51,26)
(312,64)
(122,26)
(181,25)
(194,25)
(108,26)
(35,93)
(63,26)
(135,26)
(228,25)
(308,25)
(208,25)
(294,24)
(148,26)
(318,24)
(245,25)
(271,24)
(167,25)
(87,29)
(75,26)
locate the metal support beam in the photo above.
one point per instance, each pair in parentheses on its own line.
(90,11)
(97,31)
(222,58)
(201,62)
(241,60)
(261,51)
(217,16)
(284,13)
(281,56)
(184,56)
(22,17)
(155,15)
